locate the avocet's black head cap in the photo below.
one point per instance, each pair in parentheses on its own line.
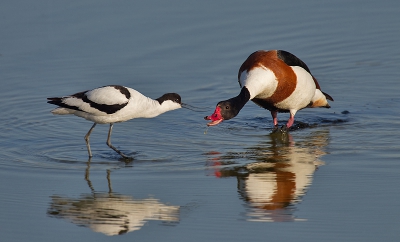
(170,96)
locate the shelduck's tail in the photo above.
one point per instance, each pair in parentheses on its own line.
(327,96)
(320,100)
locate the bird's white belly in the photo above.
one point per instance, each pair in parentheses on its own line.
(130,111)
(104,119)
(303,93)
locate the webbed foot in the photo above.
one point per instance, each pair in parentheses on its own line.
(275,129)
(284,129)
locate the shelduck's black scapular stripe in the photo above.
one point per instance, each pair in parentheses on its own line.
(291,60)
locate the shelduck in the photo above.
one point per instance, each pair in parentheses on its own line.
(277,81)
(113,104)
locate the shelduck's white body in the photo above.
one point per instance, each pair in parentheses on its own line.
(262,84)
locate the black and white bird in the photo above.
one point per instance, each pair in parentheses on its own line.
(113,104)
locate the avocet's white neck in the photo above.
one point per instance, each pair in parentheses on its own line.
(154,108)
(141,106)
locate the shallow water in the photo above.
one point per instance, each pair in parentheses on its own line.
(333,179)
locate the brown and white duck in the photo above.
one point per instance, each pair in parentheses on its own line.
(275,80)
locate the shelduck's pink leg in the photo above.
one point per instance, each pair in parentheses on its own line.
(290,121)
(275,117)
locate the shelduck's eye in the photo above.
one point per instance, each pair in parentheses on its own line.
(226,107)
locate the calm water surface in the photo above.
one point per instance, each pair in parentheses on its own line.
(334,179)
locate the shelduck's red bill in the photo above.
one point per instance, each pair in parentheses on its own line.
(215,118)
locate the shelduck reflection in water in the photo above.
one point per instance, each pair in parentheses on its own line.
(278,177)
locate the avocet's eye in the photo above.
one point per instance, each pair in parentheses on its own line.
(177,100)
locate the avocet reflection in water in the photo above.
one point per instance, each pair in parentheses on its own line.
(279,176)
(111,213)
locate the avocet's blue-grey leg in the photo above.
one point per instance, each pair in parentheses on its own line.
(87,139)
(111,146)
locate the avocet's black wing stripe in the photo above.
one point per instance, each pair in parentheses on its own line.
(109,109)
(59,102)
(123,90)
(109,95)
(106,100)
